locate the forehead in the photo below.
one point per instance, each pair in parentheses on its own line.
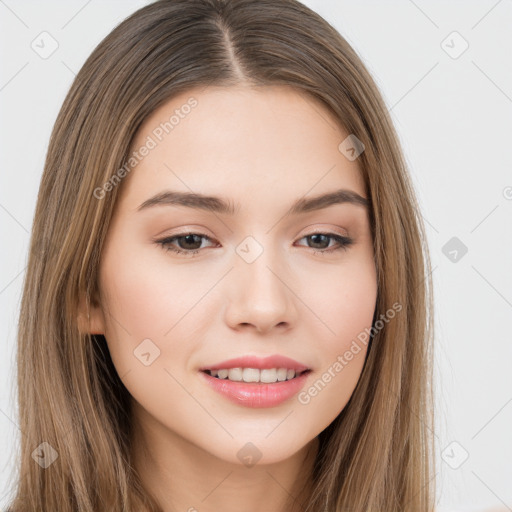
(270,139)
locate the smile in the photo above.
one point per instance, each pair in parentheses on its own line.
(256,393)
(267,375)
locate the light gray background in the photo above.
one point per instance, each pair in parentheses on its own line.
(454,118)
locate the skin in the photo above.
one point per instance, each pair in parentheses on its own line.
(262,148)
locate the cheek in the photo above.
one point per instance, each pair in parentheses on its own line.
(140,304)
(148,326)
(146,298)
(343,301)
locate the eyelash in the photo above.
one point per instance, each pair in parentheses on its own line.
(343,241)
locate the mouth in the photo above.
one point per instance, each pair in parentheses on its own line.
(256,387)
(256,375)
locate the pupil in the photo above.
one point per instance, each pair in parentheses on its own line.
(190,239)
(313,238)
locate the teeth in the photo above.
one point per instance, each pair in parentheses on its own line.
(251,375)
(267,375)
(222,374)
(282,373)
(235,374)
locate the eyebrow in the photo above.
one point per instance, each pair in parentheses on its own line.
(224,206)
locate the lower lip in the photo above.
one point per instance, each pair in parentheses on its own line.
(255,394)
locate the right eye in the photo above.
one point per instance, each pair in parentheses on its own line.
(185,240)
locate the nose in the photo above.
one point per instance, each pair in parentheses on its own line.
(260,295)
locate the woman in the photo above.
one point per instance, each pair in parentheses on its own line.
(283,362)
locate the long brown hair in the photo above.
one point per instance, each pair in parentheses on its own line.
(378,454)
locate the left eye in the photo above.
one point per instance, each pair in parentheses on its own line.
(186,240)
(318,238)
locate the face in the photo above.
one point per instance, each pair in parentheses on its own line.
(187,284)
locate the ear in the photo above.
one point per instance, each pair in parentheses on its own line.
(90,317)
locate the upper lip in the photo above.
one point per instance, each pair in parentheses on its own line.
(274,361)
